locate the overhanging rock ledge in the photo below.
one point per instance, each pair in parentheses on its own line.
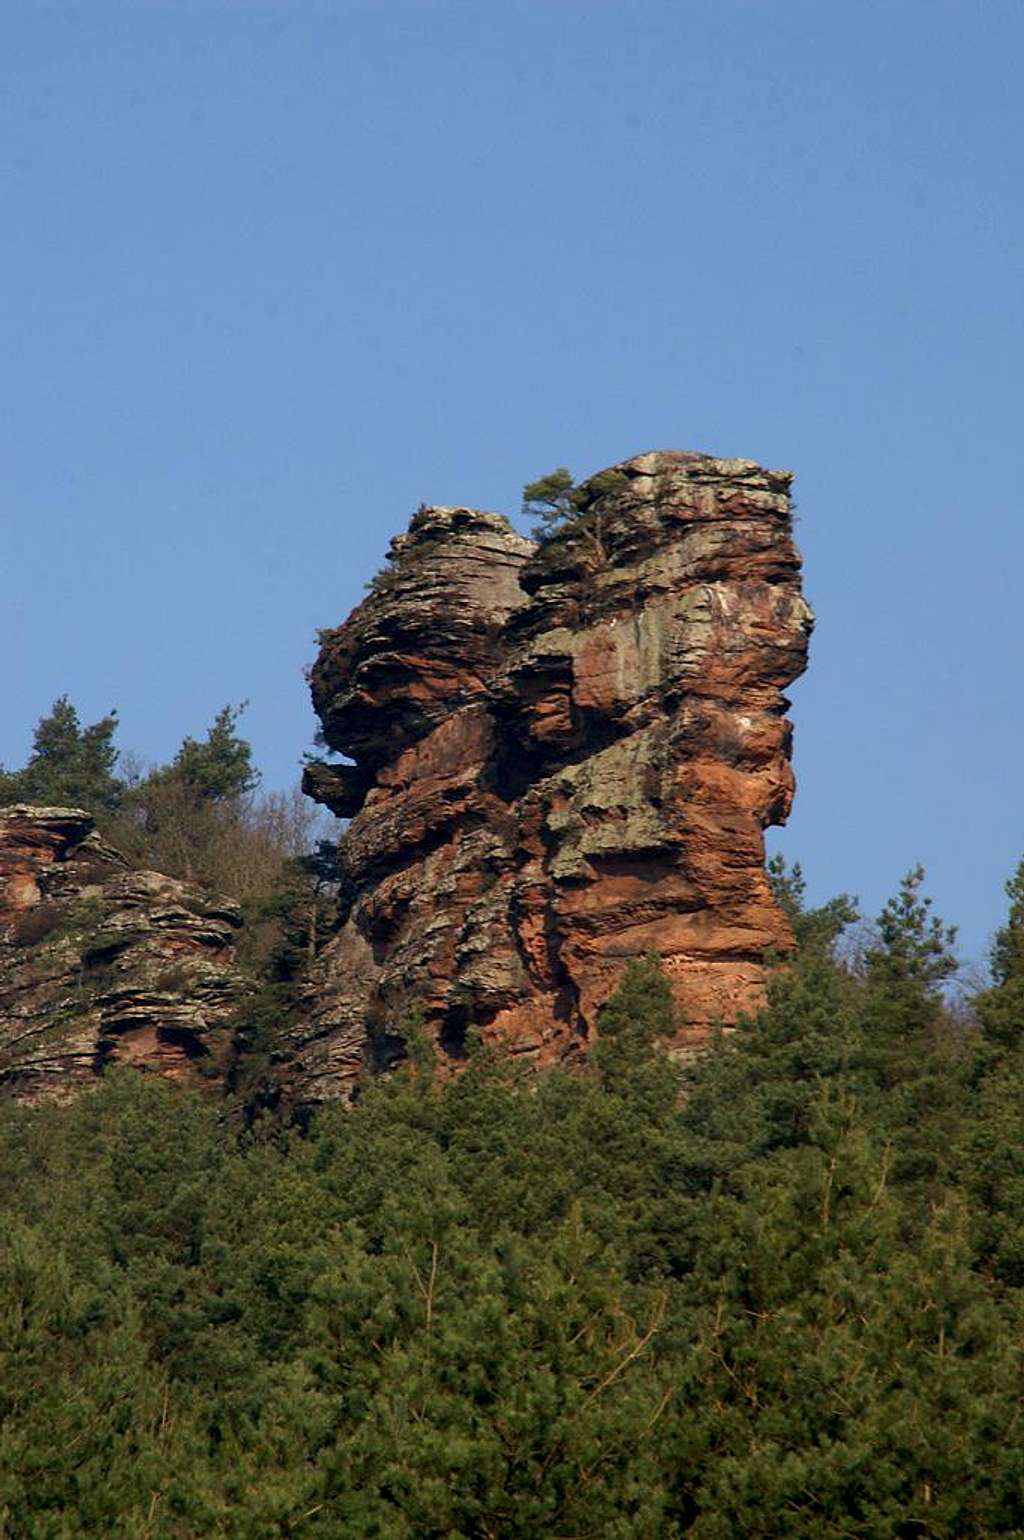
(564,756)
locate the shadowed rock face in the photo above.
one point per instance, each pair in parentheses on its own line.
(564,757)
(100,963)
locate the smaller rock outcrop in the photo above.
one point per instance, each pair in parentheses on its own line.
(100,963)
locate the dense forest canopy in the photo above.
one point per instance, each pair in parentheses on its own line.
(776,1291)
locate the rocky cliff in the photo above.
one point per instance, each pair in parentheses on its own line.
(100,963)
(562,756)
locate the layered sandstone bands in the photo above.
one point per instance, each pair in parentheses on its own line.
(103,964)
(564,757)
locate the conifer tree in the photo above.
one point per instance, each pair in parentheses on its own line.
(551,499)
(1001,1008)
(641,1011)
(557,503)
(221,767)
(909,962)
(70,765)
(816,929)
(184,817)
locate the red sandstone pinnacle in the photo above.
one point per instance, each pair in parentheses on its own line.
(565,757)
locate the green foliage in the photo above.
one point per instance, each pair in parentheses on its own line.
(70,765)
(904,1008)
(915,947)
(1008,947)
(382,582)
(551,499)
(814,929)
(1001,1008)
(49,922)
(73,766)
(776,1292)
(557,502)
(194,817)
(300,908)
(641,1012)
(219,768)
(197,817)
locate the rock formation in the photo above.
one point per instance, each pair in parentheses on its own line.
(563,756)
(100,963)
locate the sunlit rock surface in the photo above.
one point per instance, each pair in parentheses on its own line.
(100,963)
(562,757)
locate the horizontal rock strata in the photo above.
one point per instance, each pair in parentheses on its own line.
(100,963)
(563,757)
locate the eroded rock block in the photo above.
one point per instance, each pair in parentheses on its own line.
(100,963)
(565,756)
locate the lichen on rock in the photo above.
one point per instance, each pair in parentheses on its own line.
(103,964)
(564,756)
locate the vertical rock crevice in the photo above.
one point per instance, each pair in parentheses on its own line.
(565,756)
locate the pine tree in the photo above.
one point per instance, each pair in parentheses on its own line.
(557,503)
(551,499)
(70,765)
(1001,1008)
(814,929)
(640,1012)
(220,768)
(184,818)
(912,958)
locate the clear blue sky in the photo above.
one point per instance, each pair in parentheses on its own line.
(272,273)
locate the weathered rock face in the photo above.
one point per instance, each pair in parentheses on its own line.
(101,964)
(564,757)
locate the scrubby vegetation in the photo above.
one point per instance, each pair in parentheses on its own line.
(774,1293)
(201,817)
(559,504)
(572,518)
